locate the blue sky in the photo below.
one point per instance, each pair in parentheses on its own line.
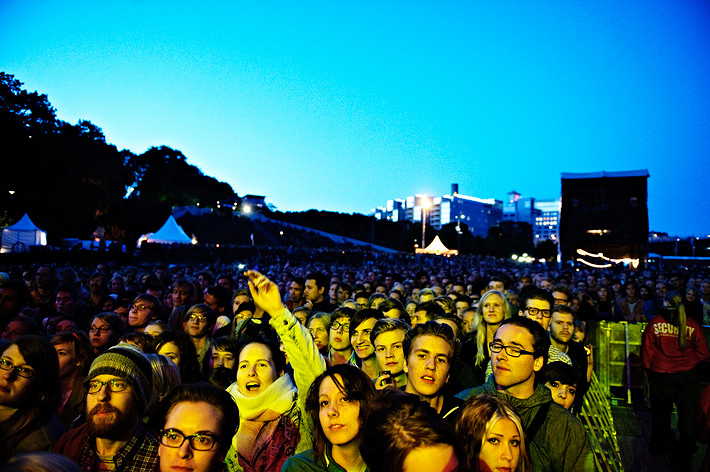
(344,105)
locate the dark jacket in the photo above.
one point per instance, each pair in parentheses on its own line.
(561,444)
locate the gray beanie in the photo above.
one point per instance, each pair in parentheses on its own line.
(127,362)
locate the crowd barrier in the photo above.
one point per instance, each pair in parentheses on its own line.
(597,419)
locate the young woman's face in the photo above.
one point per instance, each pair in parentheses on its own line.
(67,359)
(171,351)
(15,389)
(256,370)
(319,332)
(493,309)
(562,394)
(100,334)
(339,416)
(501,447)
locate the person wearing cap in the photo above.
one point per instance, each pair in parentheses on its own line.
(114,438)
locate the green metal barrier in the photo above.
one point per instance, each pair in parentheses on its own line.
(597,419)
(617,356)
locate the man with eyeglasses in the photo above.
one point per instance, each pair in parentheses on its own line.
(536,304)
(144,309)
(114,438)
(341,351)
(557,440)
(198,323)
(199,423)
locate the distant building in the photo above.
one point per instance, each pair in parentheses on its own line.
(520,209)
(604,217)
(477,213)
(547,222)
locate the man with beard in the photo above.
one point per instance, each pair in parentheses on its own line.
(113,437)
(561,330)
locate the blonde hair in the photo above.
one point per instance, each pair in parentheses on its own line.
(479,326)
(478,415)
(676,315)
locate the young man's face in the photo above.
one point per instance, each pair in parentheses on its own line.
(340,334)
(198,326)
(312,292)
(540,311)
(428,365)
(189,418)
(110,413)
(509,371)
(295,291)
(562,327)
(389,351)
(140,314)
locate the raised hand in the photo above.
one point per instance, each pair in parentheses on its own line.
(265,293)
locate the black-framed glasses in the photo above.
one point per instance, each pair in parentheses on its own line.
(336,326)
(114,385)
(99,329)
(139,307)
(23,372)
(512,351)
(535,311)
(198,441)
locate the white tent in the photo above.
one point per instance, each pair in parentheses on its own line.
(23,234)
(438,248)
(169,233)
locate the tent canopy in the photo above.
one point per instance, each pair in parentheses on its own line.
(438,248)
(169,233)
(23,234)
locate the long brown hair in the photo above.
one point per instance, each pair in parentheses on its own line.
(354,383)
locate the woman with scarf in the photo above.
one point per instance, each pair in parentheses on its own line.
(273,424)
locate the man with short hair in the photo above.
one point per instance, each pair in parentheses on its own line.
(341,351)
(392,308)
(295,293)
(144,309)
(561,295)
(315,292)
(198,323)
(556,438)
(114,438)
(183,293)
(561,331)
(387,337)
(429,352)
(536,304)
(497,283)
(426,311)
(218,298)
(199,424)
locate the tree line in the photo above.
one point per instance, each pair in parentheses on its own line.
(71,181)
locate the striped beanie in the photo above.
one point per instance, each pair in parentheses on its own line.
(129,363)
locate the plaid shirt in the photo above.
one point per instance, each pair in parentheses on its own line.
(139,454)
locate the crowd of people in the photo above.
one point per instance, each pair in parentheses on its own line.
(408,364)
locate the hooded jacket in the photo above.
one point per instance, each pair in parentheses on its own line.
(561,444)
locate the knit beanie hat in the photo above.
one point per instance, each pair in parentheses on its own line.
(127,362)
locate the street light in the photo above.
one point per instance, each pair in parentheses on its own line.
(426,204)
